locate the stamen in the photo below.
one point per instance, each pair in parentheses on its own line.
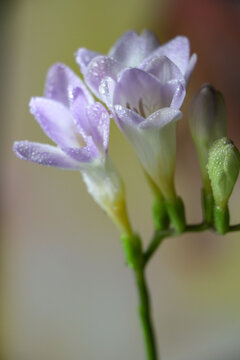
(141,109)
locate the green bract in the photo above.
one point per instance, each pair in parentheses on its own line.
(223,169)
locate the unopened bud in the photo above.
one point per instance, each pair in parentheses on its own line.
(223,169)
(207,120)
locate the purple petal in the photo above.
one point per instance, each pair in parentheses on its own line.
(86,154)
(100,68)
(60,83)
(163,69)
(45,155)
(178,92)
(177,50)
(56,121)
(106,89)
(84,57)
(99,122)
(161,118)
(126,117)
(190,68)
(131,48)
(78,110)
(142,92)
(92,120)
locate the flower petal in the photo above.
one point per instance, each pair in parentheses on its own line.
(177,50)
(84,57)
(99,122)
(85,154)
(126,116)
(177,89)
(190,68)
(142,92)
(154,142)
(56,121)
(78,110)
(163,69)
(45,155)
(132,48)
(100,68)
(161,118)
(60,82)
(92,120)
(106,90)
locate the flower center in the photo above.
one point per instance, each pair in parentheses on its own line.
(141,109)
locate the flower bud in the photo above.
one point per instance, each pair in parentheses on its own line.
(207,120)
(223,169)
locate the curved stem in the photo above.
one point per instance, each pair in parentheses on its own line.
(145,315)
(159,236)
(157,239)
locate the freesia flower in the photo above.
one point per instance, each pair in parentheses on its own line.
(147,111)
(143,85)
(79,127)
(138,51)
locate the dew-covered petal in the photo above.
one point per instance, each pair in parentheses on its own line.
(190,68)
(142,92)
(177,92)
(83,58)
(85,154)
(106,90)
(99,122)
(161,118)
(60,82)
(177,50)
(163,69)
(131,49)
(126,116)
(100,68)
(56,121)
(78,110)
(45,155)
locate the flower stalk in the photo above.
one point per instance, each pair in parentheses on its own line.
(145,315)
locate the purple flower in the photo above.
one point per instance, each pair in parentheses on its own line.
(146,111)
(79,126)
(143,85)
(70,117)
(169,61)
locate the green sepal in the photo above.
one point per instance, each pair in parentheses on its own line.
(176,213)
(132,247)
(160,214)
(207,206)
(221,219)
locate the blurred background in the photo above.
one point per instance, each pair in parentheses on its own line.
(65,291)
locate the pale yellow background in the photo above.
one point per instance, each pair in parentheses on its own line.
(66,293)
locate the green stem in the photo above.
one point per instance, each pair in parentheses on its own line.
(159,236)
(234,228)
(157,239)
(145,315)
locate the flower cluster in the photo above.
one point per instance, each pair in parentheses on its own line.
(143,85)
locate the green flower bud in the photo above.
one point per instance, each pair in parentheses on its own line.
(207,120)
(223,169)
